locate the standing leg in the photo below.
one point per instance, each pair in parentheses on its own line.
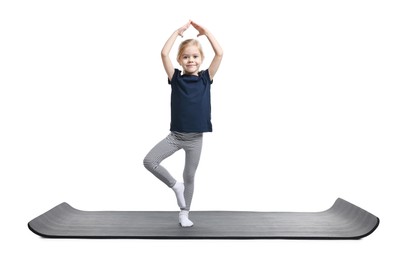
(193,152)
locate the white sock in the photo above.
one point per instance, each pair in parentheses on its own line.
(183,219)
(178,189)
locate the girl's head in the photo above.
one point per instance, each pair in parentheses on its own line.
(190,56)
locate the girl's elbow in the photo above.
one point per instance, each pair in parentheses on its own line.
(219,53)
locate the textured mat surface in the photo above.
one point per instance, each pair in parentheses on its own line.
(342,221)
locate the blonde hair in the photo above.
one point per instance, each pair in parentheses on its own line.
(187,43)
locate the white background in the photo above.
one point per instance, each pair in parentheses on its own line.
(307,106)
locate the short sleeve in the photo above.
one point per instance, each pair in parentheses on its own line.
(206,76)
(175,75)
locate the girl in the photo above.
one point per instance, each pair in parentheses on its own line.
(190,114)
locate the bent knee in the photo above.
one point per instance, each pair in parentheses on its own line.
(149,163)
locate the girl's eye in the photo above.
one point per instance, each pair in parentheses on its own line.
(195,57)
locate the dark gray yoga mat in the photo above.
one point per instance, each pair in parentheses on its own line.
(342,221)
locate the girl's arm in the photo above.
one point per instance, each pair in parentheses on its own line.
(216,61)
(167,63)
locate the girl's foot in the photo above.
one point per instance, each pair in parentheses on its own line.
(183,219)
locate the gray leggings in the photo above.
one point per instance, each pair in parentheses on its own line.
(192,145)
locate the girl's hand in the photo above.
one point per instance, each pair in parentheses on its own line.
(201,30)
(182,29)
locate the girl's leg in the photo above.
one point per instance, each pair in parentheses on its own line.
(193,152)
(192,144)
(152,161)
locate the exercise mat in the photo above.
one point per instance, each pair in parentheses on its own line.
(342,221)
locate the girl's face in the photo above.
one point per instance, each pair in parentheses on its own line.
(190,60)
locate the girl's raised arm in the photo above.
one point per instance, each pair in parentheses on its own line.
(216,61)
(167,63)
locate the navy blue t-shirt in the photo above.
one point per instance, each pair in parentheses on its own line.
(191,102)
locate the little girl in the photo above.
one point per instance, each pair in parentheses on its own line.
(190,114)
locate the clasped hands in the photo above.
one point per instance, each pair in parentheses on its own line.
(201,30)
